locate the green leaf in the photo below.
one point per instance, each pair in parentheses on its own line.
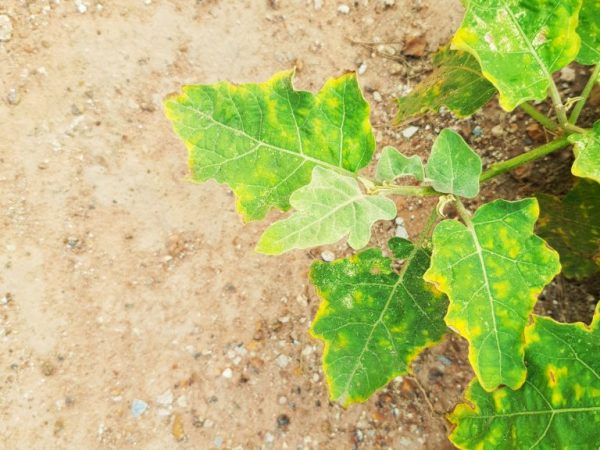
(587,153)
(453,167)
(373,320)
(492,270)
(330,207)
(456,82)
(589,31)
(394,164)
(558,407)
(571,225)
(520,43)
(263,140)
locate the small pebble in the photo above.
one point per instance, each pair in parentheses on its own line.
(410,131)
(228,373)
(362,69)
(327,256)
(269,438)
(218,442)
(5,28)
(13,97)
(497,131)
(477,131)
(283,421)
(377,97)
(318,4)
(344,9)
(567,74)
(138,407)
(165,399)
(282,361)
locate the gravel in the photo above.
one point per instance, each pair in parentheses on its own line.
(5,28)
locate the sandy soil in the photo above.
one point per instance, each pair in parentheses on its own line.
(123,283)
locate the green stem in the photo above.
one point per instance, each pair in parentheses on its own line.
(540,117)
(464,214)
(524,158)
(416,191)
(587,90)
(426,231)
(559,107)
(493,171)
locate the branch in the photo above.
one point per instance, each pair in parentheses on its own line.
(587,90)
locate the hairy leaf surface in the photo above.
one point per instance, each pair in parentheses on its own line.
(453,167)
(456,82)
(557,407)
(587,153)
(589,31)
(492,271)
(520,43)
(393,165)
(264,139)
(331,207)
(571,225)
(374,321)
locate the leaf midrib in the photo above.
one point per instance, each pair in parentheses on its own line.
(479,251)
(271,146)
(398,283)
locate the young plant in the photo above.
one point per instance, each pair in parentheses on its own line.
(537,382)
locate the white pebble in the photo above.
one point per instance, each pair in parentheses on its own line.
(327,256)
(362,69)
(377,97)
(410,132)
(282,361)
(228,373)
(5,28)
(165,399)
(343,8)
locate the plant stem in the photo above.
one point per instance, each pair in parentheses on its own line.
(524,158)
(427,228)
(493,171)
(416,191)
(587,90)
(559,107)
(464,214)
(534,113)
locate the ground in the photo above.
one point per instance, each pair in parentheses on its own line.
(134,313)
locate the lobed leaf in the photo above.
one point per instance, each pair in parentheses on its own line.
(456,82)
(330,207)
(264,139)
(374,321)
(571,225)
(492,270)
(589,31)
(557,407)
(453,167)
(520,43)
(587,153)
(393,165)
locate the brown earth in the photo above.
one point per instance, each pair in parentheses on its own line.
(122,282)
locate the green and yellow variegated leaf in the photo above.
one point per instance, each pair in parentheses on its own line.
(571,225)
(264,139)
(492,270)
(589,31)
(558,407)
(587,154)
(520,43)
(374,321)
(331,207)
(456,82)
(393,165)
(453,167)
